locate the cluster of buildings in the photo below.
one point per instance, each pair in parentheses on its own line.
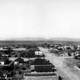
(17,63)
(64,49)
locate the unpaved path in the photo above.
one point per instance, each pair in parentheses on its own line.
(60,65)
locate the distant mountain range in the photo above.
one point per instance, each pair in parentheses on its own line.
(41,39)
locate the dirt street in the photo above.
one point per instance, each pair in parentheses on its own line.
(61,66)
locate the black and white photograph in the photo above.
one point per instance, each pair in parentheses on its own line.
(39,39)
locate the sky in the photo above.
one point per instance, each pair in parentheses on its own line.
(39,18)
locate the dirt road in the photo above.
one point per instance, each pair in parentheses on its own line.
(61,66)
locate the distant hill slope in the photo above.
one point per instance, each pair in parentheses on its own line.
(37,42)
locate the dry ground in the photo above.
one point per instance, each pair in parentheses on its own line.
(65,66)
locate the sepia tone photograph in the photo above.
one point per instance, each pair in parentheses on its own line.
(39,40)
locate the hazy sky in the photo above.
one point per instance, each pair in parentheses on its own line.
(39,18)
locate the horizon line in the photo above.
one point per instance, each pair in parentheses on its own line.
(41,38)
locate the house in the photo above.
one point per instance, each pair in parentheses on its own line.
(42,65)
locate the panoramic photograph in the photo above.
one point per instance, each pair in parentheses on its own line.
(39,40)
